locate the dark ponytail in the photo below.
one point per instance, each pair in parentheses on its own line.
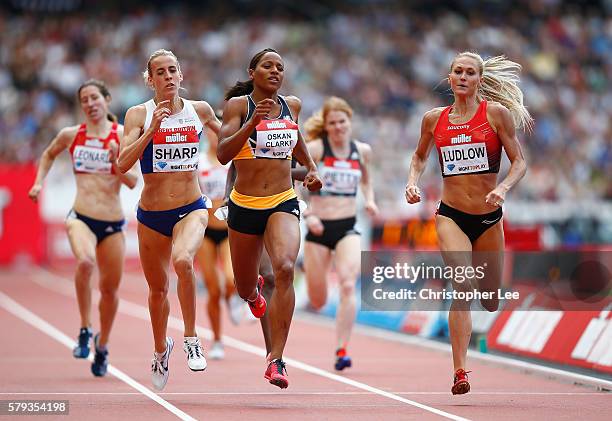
(103,90)
(239,89)
(245,88)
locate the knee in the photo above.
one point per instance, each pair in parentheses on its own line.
(85,264)
(243,291)
(183,264)
(490,305)
(268,281)
(214,295)
(283,273)
(347,290)
(317,303)
(159,291)
(108,291)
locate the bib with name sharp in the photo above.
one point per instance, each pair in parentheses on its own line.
(176,149)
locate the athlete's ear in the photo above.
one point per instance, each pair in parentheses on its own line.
(180,76)
(251,71)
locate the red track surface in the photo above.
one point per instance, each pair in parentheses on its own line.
(34,365)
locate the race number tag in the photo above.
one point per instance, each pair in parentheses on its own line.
(340,176)
(91,160)
(176,149)
(276,139)
(464,158)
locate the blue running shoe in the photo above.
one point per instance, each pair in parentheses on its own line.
(100,363)
(82,348)
(342,360)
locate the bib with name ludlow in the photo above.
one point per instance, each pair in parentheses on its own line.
(468,148)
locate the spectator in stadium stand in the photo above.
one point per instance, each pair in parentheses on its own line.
(215,249)
(164,133)
(469,136)
(260,134)
(344,166)
(95,222)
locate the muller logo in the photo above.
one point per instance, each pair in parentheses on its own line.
(462,138)
(276,125)
(176,138)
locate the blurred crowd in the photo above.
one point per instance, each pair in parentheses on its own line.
(389,62)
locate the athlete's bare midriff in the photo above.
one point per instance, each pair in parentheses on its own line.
(262,177)
(165,191)
(467,192)
(98,196)
(333,207)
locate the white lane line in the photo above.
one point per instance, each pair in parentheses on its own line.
(142,313)
(524,366)
(305,393)
(27,316)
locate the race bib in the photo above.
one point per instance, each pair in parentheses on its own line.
(91,160)
(213,181)
(339,176)
(176,149)
(276,139)
(464,158)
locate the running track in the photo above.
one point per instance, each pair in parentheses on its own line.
(391,380)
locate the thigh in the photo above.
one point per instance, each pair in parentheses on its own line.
(82,239)
(154,249)
(245,250)
(317,260)
(488,251)
(206,257)
(282,238)
(187,234)
(226,260)
(348,257)
(265,266)
(110,253)
(455,247)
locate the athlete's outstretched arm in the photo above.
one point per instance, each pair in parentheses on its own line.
(135,140)
(502,122)
(419,159)
(300,152)
(298,173)
(62,141)
(130,178)
(367,186)
(230,181)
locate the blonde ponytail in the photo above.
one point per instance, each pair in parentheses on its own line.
(500,83)
(315,126)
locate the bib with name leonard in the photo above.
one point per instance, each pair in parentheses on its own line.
(91,154)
